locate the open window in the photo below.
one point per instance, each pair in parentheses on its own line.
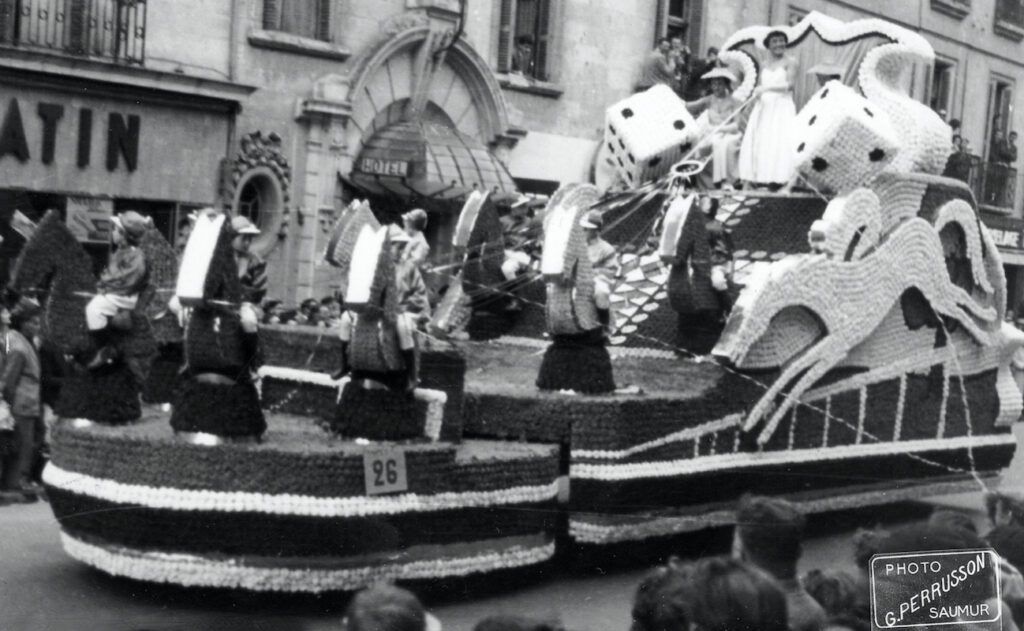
(940,96)
(524,39)
(305,18)
(680,18)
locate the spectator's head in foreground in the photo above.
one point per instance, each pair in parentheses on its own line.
(768,534)
(660,603)
(846,623)
(1004,508)
(728,595)
(387,608)
(835,590)
(516,623)
(949,518)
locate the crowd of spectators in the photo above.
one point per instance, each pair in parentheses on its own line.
(757,586)
(672,63)
(30,375)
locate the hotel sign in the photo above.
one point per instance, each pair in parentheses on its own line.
(373,166)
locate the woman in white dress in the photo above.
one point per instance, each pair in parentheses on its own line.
(766,153)
(720,114)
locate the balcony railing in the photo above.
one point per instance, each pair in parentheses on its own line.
(993,184)
(106,29)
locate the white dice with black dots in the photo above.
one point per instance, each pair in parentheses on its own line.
(842,141)
(647,133)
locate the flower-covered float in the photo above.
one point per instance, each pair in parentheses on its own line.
(864,360)
(834,380)
(338,484)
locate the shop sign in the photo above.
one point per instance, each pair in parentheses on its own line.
(1006,239)
(1007,232)
(397,168)
(56,126)
(89,218)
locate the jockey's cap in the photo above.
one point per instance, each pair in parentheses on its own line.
(242,225)
(592,220)
(395,234)
(133,224)
(417,217)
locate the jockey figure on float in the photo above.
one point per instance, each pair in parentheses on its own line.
(120,284)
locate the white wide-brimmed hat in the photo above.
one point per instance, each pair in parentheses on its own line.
(719,73)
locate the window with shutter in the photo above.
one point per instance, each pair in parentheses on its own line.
(78,26)
(8,20)
(323,20)
(524,41)
(659,20)
(543,38)
(272,14)
(306,18)
(505,44)
(679,18)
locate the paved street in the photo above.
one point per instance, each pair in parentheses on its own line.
(41,588)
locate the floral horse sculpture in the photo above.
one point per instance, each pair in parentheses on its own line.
(577,358)
(380,400)
(55,264)
(344,235)
(218,396)
(478,283)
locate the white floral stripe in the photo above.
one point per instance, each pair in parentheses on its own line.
(197,571)
(832,30)
(688,466)
(583,531)
(614,351)
(733,420)
(168,498)
(300,376)
(435,399)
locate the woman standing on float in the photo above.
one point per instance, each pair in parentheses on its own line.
(765,155)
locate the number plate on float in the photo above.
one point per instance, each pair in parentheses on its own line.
(384,471)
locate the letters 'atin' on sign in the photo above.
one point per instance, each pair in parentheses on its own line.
(929,589)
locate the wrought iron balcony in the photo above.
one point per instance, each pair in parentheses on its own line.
(994,184)
(105,29)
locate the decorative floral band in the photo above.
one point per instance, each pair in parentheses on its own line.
(616,529)
(284,504)
(291,576)
(688,466)
(296,459)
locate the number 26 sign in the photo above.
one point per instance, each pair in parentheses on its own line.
(384,471)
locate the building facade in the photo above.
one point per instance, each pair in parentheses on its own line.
(283,110)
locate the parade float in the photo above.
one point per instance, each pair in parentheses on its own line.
(864,361)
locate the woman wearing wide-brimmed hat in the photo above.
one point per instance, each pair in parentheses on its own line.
(766,152)
(724,123)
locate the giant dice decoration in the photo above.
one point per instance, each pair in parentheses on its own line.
(842,141)
(647,133)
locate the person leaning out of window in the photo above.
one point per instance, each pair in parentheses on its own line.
(523,60)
